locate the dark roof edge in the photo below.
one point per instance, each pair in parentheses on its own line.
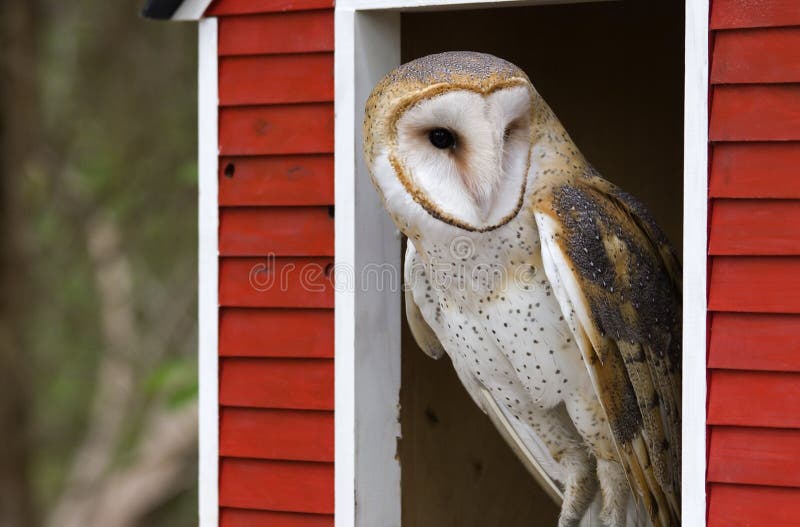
(160,9)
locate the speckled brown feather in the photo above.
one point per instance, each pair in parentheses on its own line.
(629,282)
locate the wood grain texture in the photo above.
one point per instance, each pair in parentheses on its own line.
(755,170)
(279,129)
(280,231)
(291,32)
(242,7)
(755,113)
(276,180)
(286,333)
(727,14)
(747,341)
(276,485)
(276,282)
(294,384)
(756,56)
(252,518)
(755,284)
(276,434)
(765,399)
(276,79)
(750,506)
(755,456)
(755,227)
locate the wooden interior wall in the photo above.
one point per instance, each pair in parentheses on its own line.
(276,218)
(613,73)
(754,248)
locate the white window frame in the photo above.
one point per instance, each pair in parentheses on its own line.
(367,481)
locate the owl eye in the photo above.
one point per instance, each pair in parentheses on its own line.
(442,138)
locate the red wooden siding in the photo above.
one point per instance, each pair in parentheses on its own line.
(252,518)
(751,506)
(754,264)
(278,180)
(277,485)
(730,14)
(755,170)
(276,257)
(749,341)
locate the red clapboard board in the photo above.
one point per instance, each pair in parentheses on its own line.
(752,506)
(755,284)
(241,7)
(755,113)
(727,14)
(288,333)
(276,79)
(755,170)
(276,180)
(756,456)
(292,32)
(756,56)
(276,434)
(278,129)
(767,399)
(276,485)
(276,282)
(755,227)
(282,231)
(252,518)
(749,341)
(294,384)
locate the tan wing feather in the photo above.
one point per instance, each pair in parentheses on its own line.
(621,287)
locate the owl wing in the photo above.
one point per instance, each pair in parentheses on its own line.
(530,450)
(617,281)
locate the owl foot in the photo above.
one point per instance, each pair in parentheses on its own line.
(580,486)
(614,489)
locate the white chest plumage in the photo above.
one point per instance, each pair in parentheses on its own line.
(489,302)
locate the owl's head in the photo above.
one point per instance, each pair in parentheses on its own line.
(450,136)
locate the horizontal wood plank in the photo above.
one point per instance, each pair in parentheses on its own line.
(288,333)
(276,79)
(250,518)
(755,456)
(727,14)
(276,180)
(276,485)
(292,32)
(755,113)
(765,399)
(756,56)
(280,129)
(748,341)
(280,231)
(276,434)
(751,506)
(755,284)
(243,7)
(292,384)
(276,282)
(755,170)
(755,227)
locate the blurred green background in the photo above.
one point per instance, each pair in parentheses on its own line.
(97,266)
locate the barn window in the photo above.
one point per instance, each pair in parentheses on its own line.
(615,74)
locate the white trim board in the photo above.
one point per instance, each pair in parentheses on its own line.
(367,322)
(368,378)
(208,273)
(191,10)
(695,263)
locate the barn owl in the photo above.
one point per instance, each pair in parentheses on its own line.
(553,292)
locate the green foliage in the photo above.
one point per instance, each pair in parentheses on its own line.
(117,136)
